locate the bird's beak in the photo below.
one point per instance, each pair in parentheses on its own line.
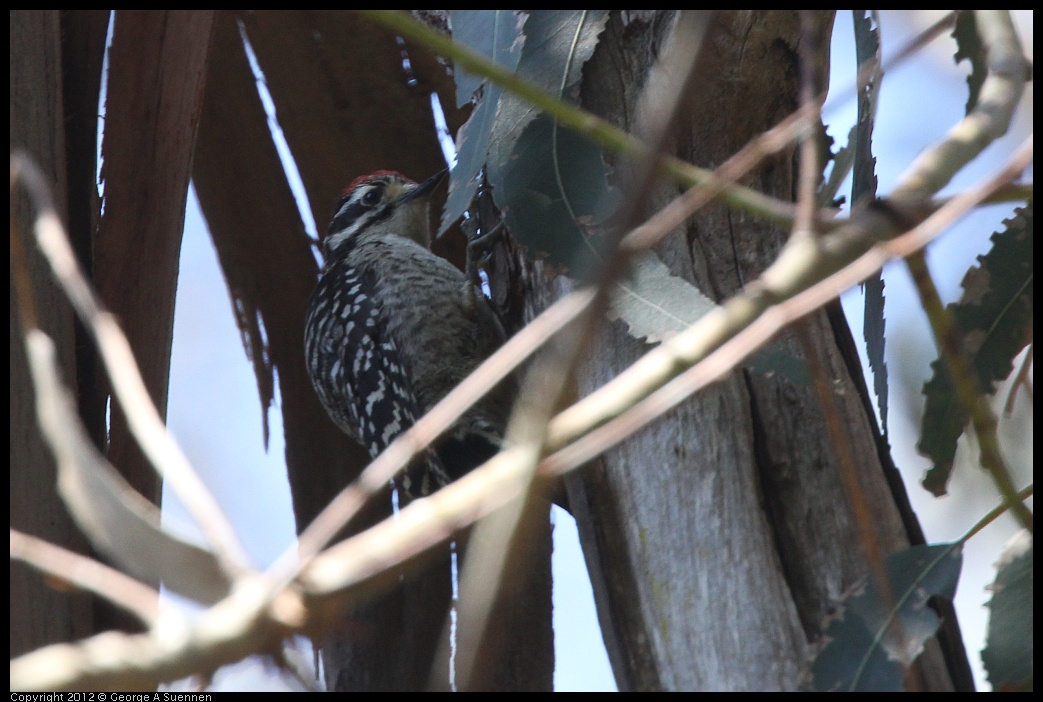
(427,187)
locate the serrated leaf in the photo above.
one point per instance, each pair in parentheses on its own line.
(856,154)
(873,325)
(655,304)
(873,641)
(994,318)
(1008,645)
(496,34)
(969,47)
(843,160)
(828,186)
(863,189)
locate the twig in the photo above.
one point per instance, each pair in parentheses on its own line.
(989,120)
(993,514)
(1021,379)
(87,574)
(710,349)
(128,388)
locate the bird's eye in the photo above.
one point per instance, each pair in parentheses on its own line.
(372,197)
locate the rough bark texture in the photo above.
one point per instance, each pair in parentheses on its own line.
(720,537)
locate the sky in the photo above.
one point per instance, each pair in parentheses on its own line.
(919,101)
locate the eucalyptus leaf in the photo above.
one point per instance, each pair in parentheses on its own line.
(875,637)
(1008,646)
(994,319)
(497,35)
(552,193)
(655,304)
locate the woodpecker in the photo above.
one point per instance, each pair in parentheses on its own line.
(392,328)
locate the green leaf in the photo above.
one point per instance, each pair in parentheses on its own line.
(863,189)
(994,318)
(1008,645)
(472,143)
(874,639)
(551,190)
(495,33)
(535,163)
(557,44)
(968,46)
(856,153)
(655,304)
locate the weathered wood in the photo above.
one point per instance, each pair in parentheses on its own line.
(157,65)
(719,537)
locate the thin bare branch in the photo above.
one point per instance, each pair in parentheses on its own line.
(242,624)
(87,574)
(1021,380)
(128,388)
(673,372)
(999,97)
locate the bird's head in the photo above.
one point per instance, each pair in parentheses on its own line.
(384,202)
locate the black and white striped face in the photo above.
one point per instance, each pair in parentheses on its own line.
(385,202)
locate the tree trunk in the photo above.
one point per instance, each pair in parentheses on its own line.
(720,537)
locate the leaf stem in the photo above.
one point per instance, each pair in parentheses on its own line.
(994,514)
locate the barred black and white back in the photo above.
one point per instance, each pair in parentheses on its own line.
(356,369)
